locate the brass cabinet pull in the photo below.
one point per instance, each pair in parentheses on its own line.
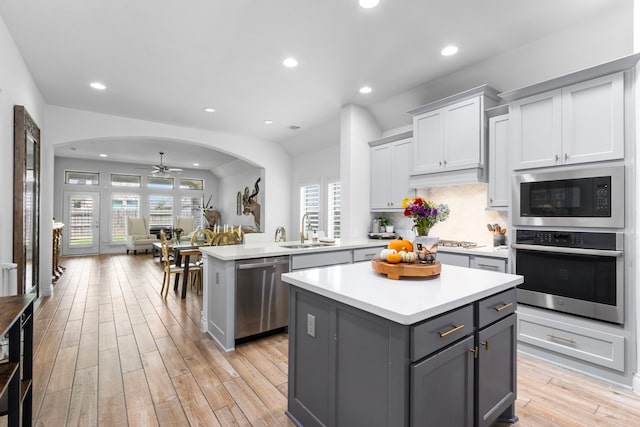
(555,337)
(566,156)
(485,344)
(450,331)
(503,306)
(488,266)
(474,350)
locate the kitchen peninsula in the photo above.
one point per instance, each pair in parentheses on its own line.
(242,292)
(366,350)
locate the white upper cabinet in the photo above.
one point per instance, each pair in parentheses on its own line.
(499,170)
(580,123)
(449,139)
(390,167)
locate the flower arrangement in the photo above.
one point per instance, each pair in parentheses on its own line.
(425,213)
(178,230)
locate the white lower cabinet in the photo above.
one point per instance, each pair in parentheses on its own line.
(473,261)
(578,339)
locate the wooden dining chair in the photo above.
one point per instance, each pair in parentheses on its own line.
(169,268)
(202,236)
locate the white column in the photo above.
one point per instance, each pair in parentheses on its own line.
(357,128)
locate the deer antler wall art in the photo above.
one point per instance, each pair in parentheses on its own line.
(251,205)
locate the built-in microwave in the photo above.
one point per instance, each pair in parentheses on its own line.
(588,197)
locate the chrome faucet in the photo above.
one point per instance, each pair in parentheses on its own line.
(281,234)
(303,235)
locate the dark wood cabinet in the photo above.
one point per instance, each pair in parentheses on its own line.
(16,369)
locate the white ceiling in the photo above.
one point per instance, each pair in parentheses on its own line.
(165,61)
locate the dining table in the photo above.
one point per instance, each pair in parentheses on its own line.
(185,251)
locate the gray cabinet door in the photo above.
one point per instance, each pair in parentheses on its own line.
(496,381)
(442,388)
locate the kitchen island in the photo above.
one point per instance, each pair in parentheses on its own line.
(242,293)
(366,350)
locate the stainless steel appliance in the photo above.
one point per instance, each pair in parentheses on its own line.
(587,197)
(262,299)
(574,272)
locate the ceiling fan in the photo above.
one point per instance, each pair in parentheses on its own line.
(163,170)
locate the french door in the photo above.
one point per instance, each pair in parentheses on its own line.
(82,223)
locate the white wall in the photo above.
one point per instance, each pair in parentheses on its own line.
(66,125)
(18,88)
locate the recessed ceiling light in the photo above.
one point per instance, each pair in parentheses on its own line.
(365,89)
(449,50)
(368,4)
(268,122)
(103,155)
(209,110)
(98,86)
(196,164)
(290,62)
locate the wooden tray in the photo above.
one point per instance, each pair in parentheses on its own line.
(403,269)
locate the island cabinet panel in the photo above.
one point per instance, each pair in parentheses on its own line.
(442,387)
(349,367)
(346,367)
(496,372)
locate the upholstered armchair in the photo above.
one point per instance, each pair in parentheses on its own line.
(188,224)
(138,237)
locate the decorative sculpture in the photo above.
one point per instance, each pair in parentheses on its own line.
(250,204)
(211,216)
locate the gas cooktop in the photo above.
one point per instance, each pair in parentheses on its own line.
(458,244)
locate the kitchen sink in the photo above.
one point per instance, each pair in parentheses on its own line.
(306,245)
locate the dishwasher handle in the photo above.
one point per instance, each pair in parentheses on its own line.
(256,265)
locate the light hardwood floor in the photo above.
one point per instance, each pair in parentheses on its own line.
(111,352)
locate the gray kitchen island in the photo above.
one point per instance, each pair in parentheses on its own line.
(366,350)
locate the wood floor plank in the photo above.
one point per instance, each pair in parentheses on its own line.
(144,338)
(173,360)
(247,400)
(63,369)
(159,382)
(107,336)
(140,409)
(171,414)
(129,356)
(83,409)
(122,323)
(211,386)
(112,411)
(193,401)
(156,326)
(54,409)
(109,373)
(232,416)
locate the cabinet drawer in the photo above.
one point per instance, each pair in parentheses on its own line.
(587,344)
(437,333)
(496,307)
(453,259)
(366,254)
(320,259)
(489,263)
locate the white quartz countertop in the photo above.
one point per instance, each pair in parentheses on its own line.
(405,301)
(259,250)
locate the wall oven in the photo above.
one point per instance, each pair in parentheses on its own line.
(588,197)
(575,272)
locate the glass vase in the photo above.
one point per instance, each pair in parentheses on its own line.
(425,246)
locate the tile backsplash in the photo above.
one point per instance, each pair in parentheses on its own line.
(469,217)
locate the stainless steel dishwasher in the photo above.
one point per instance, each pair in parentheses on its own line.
(262,299)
